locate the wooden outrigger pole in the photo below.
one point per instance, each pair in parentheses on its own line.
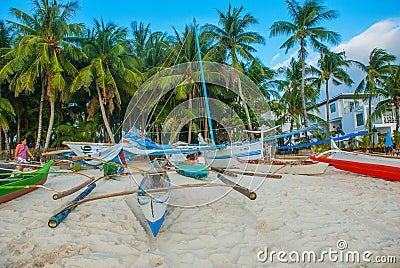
(56,219)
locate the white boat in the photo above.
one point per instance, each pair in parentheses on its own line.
(295,167)
(154,205)
(226,157)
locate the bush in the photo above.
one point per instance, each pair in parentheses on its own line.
(396,138)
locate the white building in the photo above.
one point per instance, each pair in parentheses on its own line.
(350,114)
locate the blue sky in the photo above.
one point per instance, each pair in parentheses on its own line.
(363,24)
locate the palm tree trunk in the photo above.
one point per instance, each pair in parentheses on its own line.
(396,112)
(246,110)
(172,138)
(103,113)
(190,104)
(50,127)
(1,139)
(370,111)
(291,124)
(205,124)
(303,74)
(327,102)
(143,123)
(51,96)
(158,139)
(39,131)
(18,125)
(8,148)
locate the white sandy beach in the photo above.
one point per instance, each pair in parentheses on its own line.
(295,213)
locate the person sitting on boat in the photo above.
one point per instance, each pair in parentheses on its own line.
(200,159)
(20,153)
(190,159)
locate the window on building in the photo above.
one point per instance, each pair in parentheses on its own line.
(351,106)
(333,107)
(360,120)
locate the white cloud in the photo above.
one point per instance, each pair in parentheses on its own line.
(274,58)
(384,34)
(286,62)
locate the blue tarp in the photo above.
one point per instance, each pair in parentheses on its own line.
(389,142)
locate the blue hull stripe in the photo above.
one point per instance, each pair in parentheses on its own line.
(155,226)
(249,154)
(237,155)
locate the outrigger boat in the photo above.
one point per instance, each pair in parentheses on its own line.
(375,166)
(23,183)
(155,187)
(154,205)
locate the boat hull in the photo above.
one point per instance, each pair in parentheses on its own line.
(226,157)
(37,177)
(154,206)
(316,168)
(374,166)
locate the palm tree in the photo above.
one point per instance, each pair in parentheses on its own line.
(303,27)
(330,68)
(111,68)
(234,43)
(262,76)
(149,49)
(43,52)
(376,71)
(390,92)
(183,49)
(7,112)
(152,52)
(5,36)
(289,105)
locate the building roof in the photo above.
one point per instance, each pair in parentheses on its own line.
(341,96)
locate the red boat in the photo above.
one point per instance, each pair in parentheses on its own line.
(371,165)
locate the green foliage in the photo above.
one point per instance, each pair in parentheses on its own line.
(396,138)
(88,131)
(365,141)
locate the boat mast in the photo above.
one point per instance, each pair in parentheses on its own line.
(204,84)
